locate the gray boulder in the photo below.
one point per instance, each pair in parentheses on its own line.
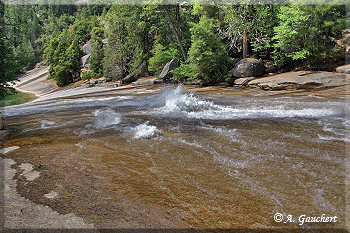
(243,81)
(343,69)
(76,76)
(142,69)
(301,80)
(195,82)
(87,48)
(158,81)
(249,67)
(166,74)
(108,79)
(85,60)
(116,73)
(132,77)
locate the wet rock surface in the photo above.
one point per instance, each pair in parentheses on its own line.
(301,80)
(22,213)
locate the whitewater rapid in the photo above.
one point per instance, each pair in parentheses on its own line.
(205,157)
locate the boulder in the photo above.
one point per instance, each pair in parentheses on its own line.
(132,77)
(344,69)
(142,69)
(195,82)
(249,67)
(85,60)
(117,72)
(40,64)
(108,79)
(166,74)
(243,81)
(87,48)
(144,81)
(101,80)
(158,81)
(76,76)
(301,80)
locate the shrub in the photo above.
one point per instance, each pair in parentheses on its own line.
(207,57)
(87,75)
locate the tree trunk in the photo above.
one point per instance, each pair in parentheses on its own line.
(245,42)
(173,28)
(178,18)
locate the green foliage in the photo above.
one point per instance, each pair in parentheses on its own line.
(82,27)
(14,97)
(22,30)
(293,36)
(97,54)
(257,20)
(306,35)
(161,56)
(8,64)
(87,75)
(207,57)
(66,65)
(122,43)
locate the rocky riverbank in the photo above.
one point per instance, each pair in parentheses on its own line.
(20,212)
(326,84)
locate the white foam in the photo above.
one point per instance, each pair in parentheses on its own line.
(106,118)
(145,131)
(176,103)
(330,138)
(46,124)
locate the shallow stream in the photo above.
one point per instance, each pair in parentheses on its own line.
(175,159)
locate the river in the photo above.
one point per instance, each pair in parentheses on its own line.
(174,159)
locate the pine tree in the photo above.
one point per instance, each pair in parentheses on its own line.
(207,56)
(97,54)
(306,35)
(8,65)
(63,72)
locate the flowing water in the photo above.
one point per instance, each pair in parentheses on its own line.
(175,159)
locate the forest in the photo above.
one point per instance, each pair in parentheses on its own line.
(206,40)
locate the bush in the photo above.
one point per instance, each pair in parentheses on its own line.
(161,56)
(207,57)
(306,35)
(67,65)
(87,75)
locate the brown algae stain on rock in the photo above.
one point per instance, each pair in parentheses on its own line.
(27,141)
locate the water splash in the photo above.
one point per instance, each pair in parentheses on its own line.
(145,131)
(175,103)
(106,118)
